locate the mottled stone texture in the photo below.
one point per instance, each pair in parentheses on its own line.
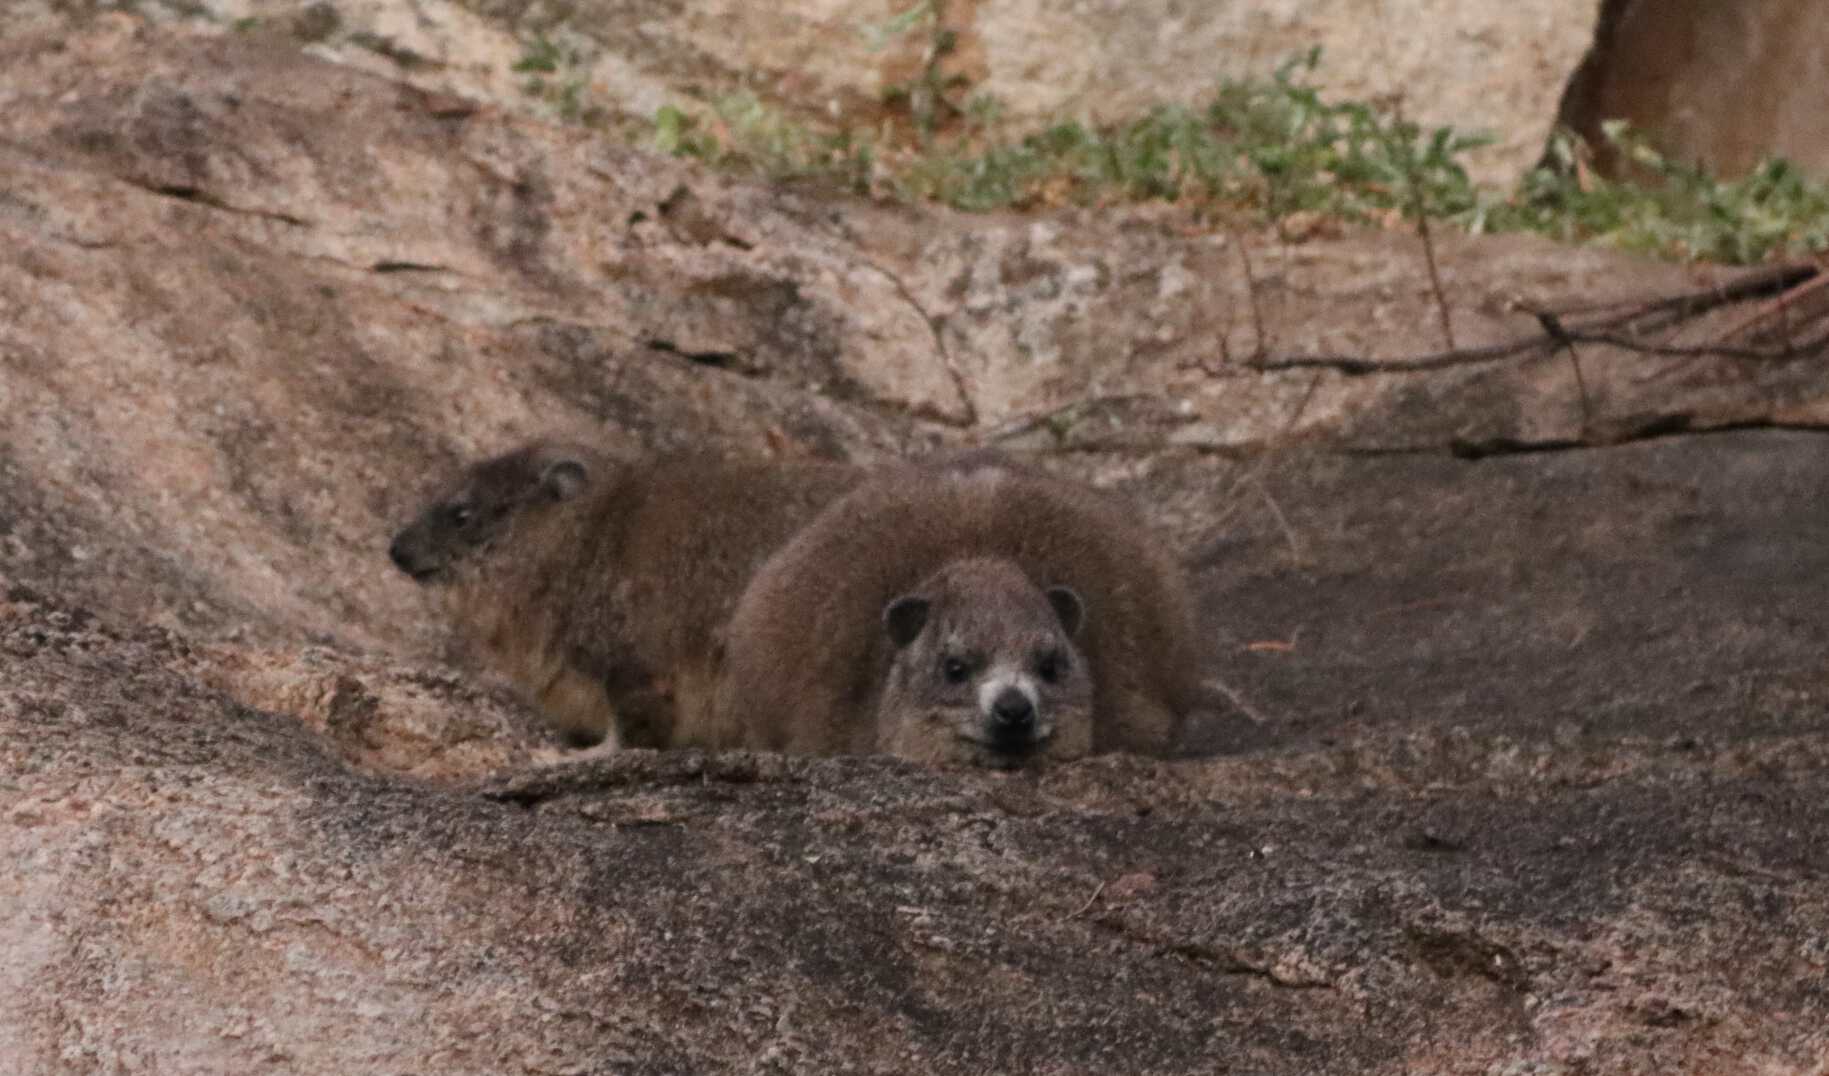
(1492,65)
(1526,768)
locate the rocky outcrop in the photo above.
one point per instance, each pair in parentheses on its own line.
(255,298)
(1524,767)
(1489,66)
(1484,66)
(1482,827)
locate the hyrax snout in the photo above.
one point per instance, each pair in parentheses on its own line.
(465,519)
(984,669)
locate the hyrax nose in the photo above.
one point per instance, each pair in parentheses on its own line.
(400,555)
(1012,712)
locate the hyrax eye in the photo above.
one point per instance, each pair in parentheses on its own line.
(1052,666)
(955,670)
(458,515)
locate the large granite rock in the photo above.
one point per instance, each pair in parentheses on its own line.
(1527,761)
(1476,65)
(254,298)
(1551,801)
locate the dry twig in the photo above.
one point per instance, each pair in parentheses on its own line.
(1611,331)
(1257,311)
(1417,210)
(1022,424)
(1081,910)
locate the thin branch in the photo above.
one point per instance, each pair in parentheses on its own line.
(1359,366)
(1435,278)
(1022,424)
(1552,328)
(1691,304)
(961,383)
(1289,532)
(1780,305)
(1237,700)
(1581,387)
(1784,302)
(1257,310)
(1748,354)
(1282,436)
(1256,471)
(1081,910)
(1762,282)
(1418,210)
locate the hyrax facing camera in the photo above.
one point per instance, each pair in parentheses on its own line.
(984,669)
(845,639)
(597,586)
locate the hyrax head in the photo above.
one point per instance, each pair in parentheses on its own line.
(461,524)
(985,669)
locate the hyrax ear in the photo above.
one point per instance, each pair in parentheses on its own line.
(904,619)
(1068,607)
(563,479)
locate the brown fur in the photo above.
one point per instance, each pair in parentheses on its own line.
(597,586)
(806,654)
(977,634)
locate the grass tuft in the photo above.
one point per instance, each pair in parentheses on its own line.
(1270,150)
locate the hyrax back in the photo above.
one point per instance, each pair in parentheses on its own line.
(597,586)
(804,651)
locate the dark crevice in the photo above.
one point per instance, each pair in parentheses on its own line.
(594,775)
(1207,956)
(935,330)
(841,391)
(1661,428)
(1388,451)
(1455,953)
(406,267)
(1462,449)
(388,49)
(1229,964)
(1666,425)
(691,223)
(199,196)
(717,360)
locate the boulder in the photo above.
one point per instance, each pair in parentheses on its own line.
(256,301)
(1521,764)
(1485,66)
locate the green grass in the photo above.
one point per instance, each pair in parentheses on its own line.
(1262,151)
(1772,211)
(1271,148)
(741,133)
(557,77)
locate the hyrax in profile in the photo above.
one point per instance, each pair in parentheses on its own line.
(972,611)
(598,586)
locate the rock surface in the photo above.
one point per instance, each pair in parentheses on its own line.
(1527,764)
(255,299)
(1482,65)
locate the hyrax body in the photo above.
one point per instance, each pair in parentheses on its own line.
(597,586)
(817,657)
